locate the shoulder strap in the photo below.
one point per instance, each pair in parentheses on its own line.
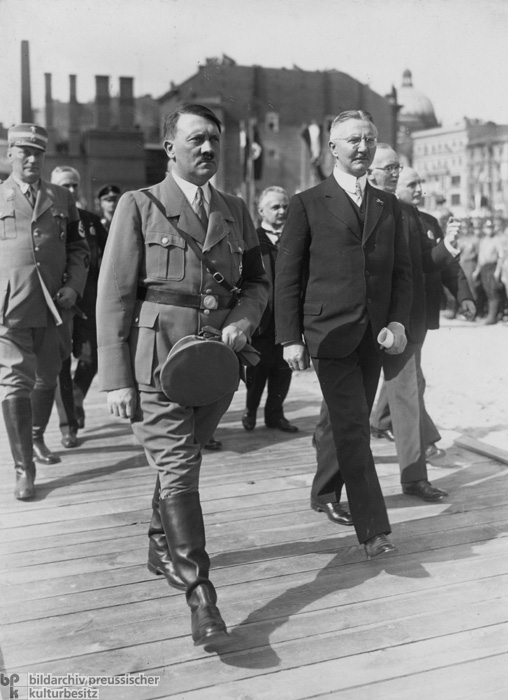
(218,276)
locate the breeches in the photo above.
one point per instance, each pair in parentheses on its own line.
(29,357)
(173,437)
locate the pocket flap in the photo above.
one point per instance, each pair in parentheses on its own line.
(312,308)
(164,238)
(146,315)
(7,211)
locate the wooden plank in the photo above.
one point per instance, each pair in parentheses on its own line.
(483,448)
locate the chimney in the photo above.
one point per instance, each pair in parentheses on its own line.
(126,120)
(26,92)
(48,102)
(102,101)
(73,116)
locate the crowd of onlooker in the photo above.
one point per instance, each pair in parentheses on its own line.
(484,258)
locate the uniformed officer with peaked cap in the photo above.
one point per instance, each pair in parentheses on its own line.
(43,268)
(155,289)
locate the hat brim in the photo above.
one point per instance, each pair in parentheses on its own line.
(199,371)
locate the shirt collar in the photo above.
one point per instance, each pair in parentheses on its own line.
(348,182)
(189,189)
(25,186)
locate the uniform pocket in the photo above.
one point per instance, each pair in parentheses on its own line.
(165,255)
(142,343)
(7,224)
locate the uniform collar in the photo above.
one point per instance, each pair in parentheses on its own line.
(25,186)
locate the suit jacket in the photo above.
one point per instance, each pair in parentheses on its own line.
(44,240)
(428,258)
(145,249)
(332,277)
(451,276)
(269,253)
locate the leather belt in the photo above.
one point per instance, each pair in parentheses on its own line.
(193,301)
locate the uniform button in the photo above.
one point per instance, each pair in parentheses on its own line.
(164,240)
(367,273)
(36,248)
(208,291)
(38,264)
(136,320)
(207,312)
(37,232)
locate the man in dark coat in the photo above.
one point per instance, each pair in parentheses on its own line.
(343,274)
(272,371)
(155,288)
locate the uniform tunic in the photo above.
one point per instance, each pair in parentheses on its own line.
(40,247)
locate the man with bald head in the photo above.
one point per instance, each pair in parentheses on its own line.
(343,273)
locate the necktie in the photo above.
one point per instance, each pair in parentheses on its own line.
(30,195)
(358,194)
(199,207)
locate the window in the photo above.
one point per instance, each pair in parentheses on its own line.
(272,122)
(455,201)
(455,180)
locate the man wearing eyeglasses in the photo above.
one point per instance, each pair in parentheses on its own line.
(343,273)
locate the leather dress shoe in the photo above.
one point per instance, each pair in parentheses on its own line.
(213,445)
(70,438)
(423,489)
(333,511)
(42,454)
(379,544)
(378,433)
(433,452)
(249,420)
(282,424)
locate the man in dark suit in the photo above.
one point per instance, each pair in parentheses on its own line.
(82,336)
(272,370)
(343,274)
(174,257)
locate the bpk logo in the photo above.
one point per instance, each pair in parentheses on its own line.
(11,682)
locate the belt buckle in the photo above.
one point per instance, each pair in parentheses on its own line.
(210,301)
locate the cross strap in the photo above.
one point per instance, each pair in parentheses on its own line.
(217,276)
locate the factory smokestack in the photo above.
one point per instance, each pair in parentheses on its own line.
(26,92)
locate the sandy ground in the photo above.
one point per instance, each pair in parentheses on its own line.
(466,368)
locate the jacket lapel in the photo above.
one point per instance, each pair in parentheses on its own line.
(42,203)
(218,226)
(338,204)
(13,192)
(177,207)
(373,210)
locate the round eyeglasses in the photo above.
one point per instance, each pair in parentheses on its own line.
(355,141)
(394,168)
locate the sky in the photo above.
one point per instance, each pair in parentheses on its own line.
(455,49)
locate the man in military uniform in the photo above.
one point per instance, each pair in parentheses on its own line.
(43,268)
(82,335)
(155,288)
(108,197)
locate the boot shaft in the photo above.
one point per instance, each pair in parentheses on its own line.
(17,413)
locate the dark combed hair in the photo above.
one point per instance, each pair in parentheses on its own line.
(171,120)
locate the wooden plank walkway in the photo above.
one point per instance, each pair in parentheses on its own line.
(309,617)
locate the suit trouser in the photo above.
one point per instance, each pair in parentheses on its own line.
(381,418)
(349,387)
(272,370)
(173,437)
(406,409)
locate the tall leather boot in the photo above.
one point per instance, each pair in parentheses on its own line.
(491,319)
(17,412)
(42,405)
(159,558)
(183,524)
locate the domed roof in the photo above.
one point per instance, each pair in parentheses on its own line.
(413,102)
